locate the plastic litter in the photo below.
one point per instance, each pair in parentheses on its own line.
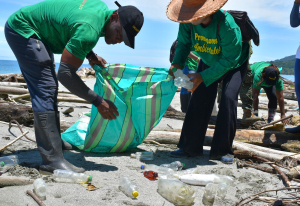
(71,177)
(160,170)
(213,190)
(40,188)
(182,80)
(128,188)
(142,155)
(227,160)
(176,166)
(204,179)
(176,192)
(150,175)
(8,161)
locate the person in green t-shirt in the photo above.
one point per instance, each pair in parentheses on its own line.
(267,76)
(217,39)
(71,28)
(190,67)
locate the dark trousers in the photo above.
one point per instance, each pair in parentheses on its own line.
(37,65)
(199,112)
(271,94)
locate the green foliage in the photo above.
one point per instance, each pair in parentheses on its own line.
(287,64)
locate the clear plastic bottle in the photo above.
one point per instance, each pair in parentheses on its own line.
(40,188)
(176,191)
(176,166)
(128,188)
(222,190)
(181,80)
(209,194)
(160,170)
(142,155)
(223,178)
(71,177)
(8,161)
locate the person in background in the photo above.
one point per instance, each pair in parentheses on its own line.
(267,76)
(191,65)
(295,22)
(224,56)
(71,28)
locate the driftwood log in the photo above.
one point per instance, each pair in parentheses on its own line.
(13,84)
(290,95)
(13,90)
(14,181)
(21,113)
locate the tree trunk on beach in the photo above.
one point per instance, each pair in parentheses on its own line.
(21,113)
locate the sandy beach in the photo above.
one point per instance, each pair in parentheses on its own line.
(107,169)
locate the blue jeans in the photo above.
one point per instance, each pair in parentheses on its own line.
(297,79)
(37,65)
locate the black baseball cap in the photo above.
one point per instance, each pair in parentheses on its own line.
(132,21)
(271,75)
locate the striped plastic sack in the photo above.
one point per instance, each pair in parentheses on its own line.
(142,95)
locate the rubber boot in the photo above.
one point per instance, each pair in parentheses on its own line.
(47,132)
(184,101)
(65,145)
(293,130)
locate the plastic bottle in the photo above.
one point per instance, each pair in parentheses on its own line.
(71,177)
(128,188)
(160,170)
(209,194)
(222,190)
(204,179)
(142,155)
(176,166)
(150,175)
(40,188)
(181,80)
(8,161)
(176,191)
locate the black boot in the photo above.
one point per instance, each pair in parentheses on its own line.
(293,130)
(47,132)
(184,101)
(65,145)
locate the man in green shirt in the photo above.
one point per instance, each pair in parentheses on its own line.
(218,41)
(71,28)
(267,76)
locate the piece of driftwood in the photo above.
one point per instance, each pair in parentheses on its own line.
(68,99)
(35,197)
(274,122)
(3,148)
(258,167)
(291,146)
(13,90)
(12,78)
(290,95)
(21,113)
(14,181)
(13,84)
(21,79)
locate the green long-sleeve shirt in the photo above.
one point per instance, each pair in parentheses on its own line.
(221,54)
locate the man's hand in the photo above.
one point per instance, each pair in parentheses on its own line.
(108,110)
(285,122)
(95,59)
(197,79)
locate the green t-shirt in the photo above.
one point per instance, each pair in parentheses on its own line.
(75,25)
(191,63)
(257,69)
(222,53)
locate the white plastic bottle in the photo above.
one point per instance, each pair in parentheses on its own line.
(223,178)
(71,177)
(40,188)
(176,166)
(158,169)
(181,80)
(8,161)
(142,155)
(204,179)
(209,194)
(176,191)
(222,190)
(128,188)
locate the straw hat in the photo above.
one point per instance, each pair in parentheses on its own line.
(186,11)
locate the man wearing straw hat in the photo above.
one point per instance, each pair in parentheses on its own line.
(218,41)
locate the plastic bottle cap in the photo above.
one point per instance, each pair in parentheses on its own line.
(135,193)
(90,178)
(132,156)
(174,69)
(183,165)
(142,166)
(2,164)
